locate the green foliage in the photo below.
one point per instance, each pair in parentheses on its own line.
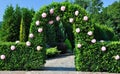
(27,19)
(92,58)
(68,44)
(60,32)
(22,58)
(51,52)
(103,32)
(51,35)
(17,20)
(110,16)
(22,31)
(8,26)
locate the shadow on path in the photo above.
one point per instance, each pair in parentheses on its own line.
(59,69)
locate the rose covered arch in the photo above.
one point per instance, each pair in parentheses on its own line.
(55,13)
(87,49)
(90,55)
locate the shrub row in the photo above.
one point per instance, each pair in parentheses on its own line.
(92,58)
(103,32)
(22,58)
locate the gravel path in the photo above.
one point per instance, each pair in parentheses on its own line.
(61,63)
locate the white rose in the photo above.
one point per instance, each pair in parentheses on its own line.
(76,13)
(39,48)
(28,43)
(71,20)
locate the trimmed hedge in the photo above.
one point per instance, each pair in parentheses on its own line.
(103,32)
(92,58)
(22,58)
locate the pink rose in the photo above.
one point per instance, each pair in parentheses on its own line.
(62,8)
(40,30)
(57,18)
(93,40)
(51,11)
(51,22)
(103,48)
(77,30)
(44,15)
(2,57)
(90,33)
(37,23)
(28,43)
(117,57)
(13,47)
(79,45)
(31,35)
(85,18)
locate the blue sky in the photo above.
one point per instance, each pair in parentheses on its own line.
(35,4)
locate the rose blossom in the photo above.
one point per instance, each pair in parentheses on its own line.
(76,13)
(93,40)
(37,23)
(17,42)
(77,30)
(51,11)
(117,57)
(51,22)
(85,18)
(79,45)
(90,33)
(39,48)
(62,8)
(28,43)
(40,30)
(103,48)
(71,20)
(101,40)
(57,18)
(13,47)
(44,15)
(31,35)
(2,57)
